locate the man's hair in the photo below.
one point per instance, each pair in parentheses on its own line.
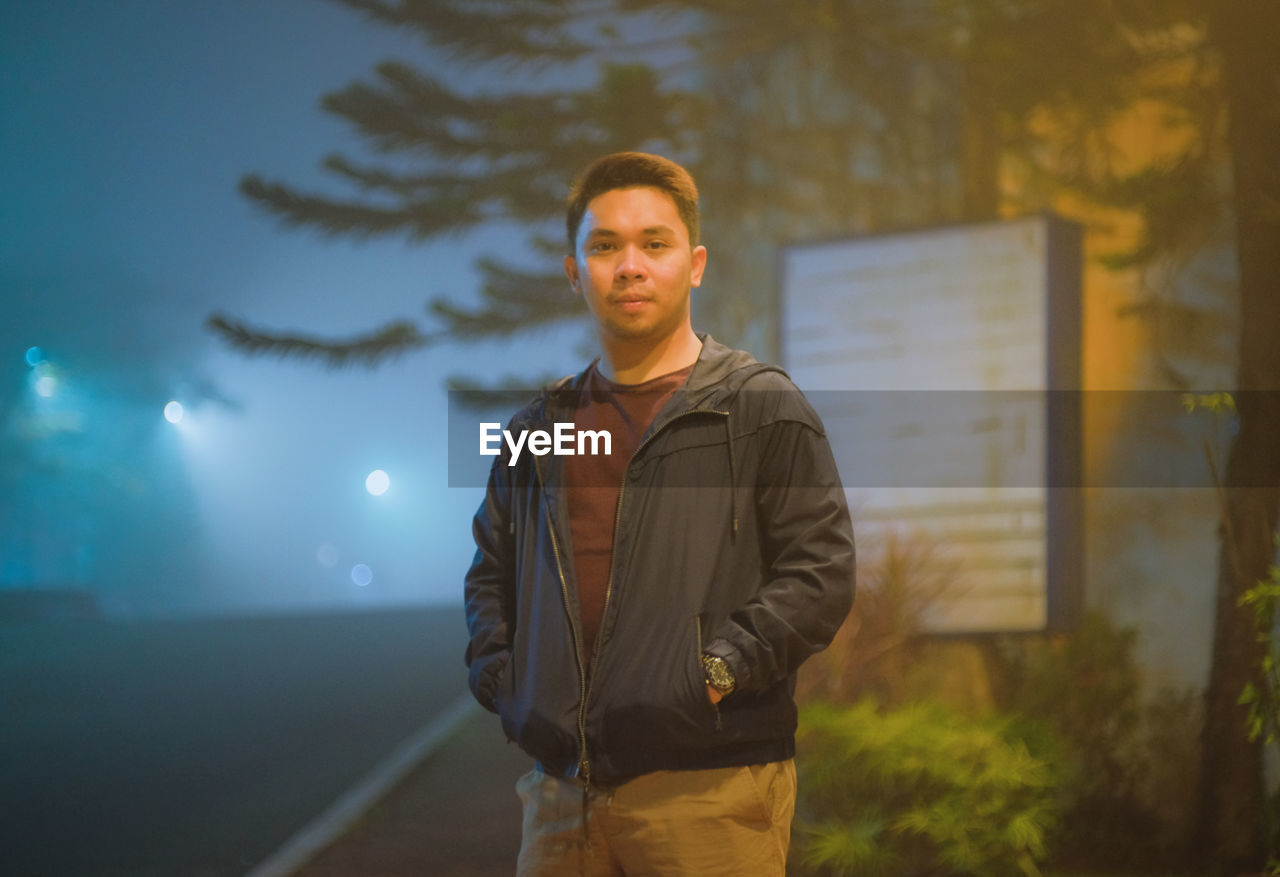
(628,170)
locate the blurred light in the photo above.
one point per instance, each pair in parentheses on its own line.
(327,555)
(46,385)
(35,356)
(377,482)
(173,412)
(361,575)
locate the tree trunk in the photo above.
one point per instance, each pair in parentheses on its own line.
(1247,36)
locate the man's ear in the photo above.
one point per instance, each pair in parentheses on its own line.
(571,271)
(697,264)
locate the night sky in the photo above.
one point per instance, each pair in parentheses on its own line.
(127,127)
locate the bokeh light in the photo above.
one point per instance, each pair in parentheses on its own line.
(35,356)
(173,412)
(361,575)
(46,386)
(377,482)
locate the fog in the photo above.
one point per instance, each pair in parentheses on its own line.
(127,128)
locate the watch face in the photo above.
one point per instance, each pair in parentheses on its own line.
(719,673)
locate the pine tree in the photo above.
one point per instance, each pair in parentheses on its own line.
(799,120)
(809,119)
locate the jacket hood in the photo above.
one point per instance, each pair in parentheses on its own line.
(720,372)
(718,375)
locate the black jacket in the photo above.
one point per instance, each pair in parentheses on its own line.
(732,535)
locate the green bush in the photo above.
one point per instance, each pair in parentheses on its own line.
(1127,768)
(919,791)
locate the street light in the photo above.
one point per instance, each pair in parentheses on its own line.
(377,482)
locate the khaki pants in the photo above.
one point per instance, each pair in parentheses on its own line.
(728,821)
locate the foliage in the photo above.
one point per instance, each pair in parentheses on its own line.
(1263,701)
(1127,767)
(875,651)
(919,790)
(1085,685)
(1125,763)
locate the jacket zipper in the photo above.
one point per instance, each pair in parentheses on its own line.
(584,767)
(584,763)
(608,588)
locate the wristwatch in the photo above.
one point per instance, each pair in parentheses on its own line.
(719,675)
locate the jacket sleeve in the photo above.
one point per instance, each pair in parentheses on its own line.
(489,593)
(807,546)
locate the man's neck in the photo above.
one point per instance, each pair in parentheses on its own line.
(625,363)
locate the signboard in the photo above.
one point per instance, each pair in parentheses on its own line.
(945,365)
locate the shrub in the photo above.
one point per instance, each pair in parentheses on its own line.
(919,791)
(899,579)
(1127,767)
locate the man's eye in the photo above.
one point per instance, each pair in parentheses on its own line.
(601,247)
(657,245)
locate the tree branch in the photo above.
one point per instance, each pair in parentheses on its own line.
(369,350)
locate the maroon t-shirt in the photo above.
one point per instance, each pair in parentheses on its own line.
(594,481)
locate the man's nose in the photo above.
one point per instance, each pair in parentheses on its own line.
(631,265)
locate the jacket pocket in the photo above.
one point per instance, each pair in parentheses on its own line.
(504,698)
(659,701)
(700,675)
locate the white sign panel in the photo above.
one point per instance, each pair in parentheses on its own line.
(931,356)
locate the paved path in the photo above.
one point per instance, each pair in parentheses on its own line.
(199,747)
(456,815)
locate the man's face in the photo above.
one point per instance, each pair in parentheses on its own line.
(634,265)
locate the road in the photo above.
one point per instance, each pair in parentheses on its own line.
(197,747)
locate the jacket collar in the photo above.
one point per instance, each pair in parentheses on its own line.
(718,374)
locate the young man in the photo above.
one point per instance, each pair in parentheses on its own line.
(637,618)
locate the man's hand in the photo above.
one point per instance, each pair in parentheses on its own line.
(715,696)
